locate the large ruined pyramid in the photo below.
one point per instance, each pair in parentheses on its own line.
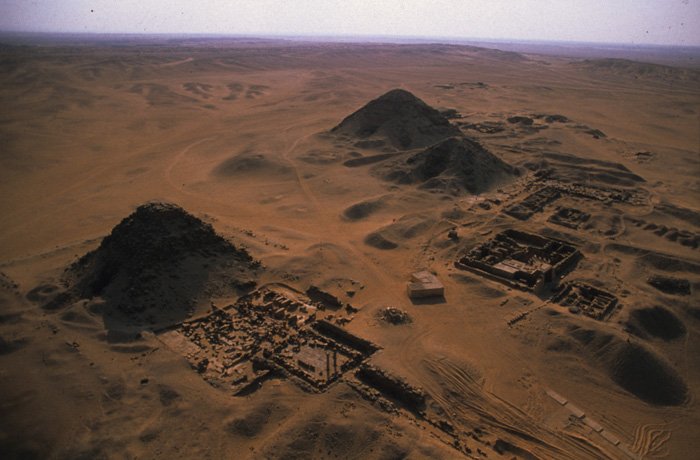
(157,262)
(448,161)
(456,165)
(398,118)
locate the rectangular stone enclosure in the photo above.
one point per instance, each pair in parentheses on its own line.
(521,260)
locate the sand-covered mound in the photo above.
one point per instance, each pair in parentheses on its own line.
(157,262)
(399,118)
(669,284)
(250,164)
(363,209)
(379,241)
(646,376)
(657,321)
(401,231)
(455,165)
(634,367)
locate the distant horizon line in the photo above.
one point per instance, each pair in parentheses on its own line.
(342,38)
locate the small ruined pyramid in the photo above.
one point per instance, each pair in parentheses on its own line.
(157,262)
(398,118)
(456,165)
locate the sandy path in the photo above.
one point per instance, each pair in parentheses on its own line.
(178,159)
(330,225)
(462,397)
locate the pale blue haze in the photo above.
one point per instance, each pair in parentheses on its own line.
(663,22)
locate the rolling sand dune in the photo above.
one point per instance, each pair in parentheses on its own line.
(206,245)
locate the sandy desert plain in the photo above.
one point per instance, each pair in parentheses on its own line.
(205,247)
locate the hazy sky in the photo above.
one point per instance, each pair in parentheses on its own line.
(674,22)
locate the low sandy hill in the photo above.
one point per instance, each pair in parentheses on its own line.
(251,164)
(157,262)
(398,118)
(631,363)
(656,321)
(455,165)
(402,231)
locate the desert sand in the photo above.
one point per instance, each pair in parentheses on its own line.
(194,228)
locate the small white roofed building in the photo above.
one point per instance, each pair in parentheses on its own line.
(424,284)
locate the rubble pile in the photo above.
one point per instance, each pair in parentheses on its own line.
(583,298)
(393,315)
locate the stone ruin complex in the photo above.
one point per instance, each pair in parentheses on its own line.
(550,191)
(569,217)
(279,332)
(270,332)
(521,260)
(533,203)
(586,299)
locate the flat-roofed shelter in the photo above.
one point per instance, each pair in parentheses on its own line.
(424,284)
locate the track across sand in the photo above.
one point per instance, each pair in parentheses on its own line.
(177,159)
(327,225)
(330,225)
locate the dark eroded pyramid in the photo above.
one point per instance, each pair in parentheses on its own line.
(455,165)
(399,119)
(156,262)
